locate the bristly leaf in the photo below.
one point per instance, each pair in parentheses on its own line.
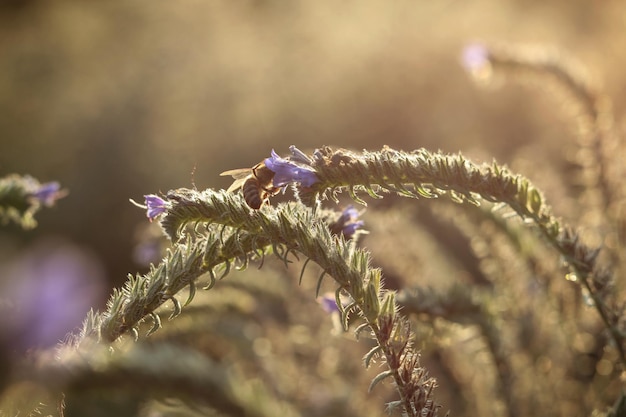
(345,313)
(226,269)
(354,196)
(212,280)
(177,308)
(400,189)
(338,300)
(244,263)
(260,253)
(378,378)
(360,328)
(535,201)
(319,284)
(156,323)
(424,192)
(373,193)
(192,293)
(134,333)
(302,271)
(392,406)
(295,254)
(367,359)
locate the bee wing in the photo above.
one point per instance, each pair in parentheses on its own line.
(237,184)
(240,175)
(237,174)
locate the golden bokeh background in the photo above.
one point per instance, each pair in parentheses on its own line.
(120,99)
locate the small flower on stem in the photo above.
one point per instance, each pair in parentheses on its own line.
(287,172)
(155,206)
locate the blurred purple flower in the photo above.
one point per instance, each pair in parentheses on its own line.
(349,214)
(287,172)
(328,303)
(48,193)
(350,229)
(47,292)
(347,223)
(155,206)
(475,57)
(147,252)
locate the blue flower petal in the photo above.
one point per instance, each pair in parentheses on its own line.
(287,172)
(328,303)
(348,214)
(155,205)
(48,193)
(350,229)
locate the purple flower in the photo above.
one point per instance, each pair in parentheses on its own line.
(50,287)
(155,206)
(287,172)
(347,223)
(48,193)
(475,57)
(328,303)
(348,214)
(147,252)
(350,229)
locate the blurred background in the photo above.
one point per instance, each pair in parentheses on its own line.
(120,99)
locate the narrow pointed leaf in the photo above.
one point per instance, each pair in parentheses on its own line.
(378,378)
(355,197)
(302,272)
(367,359)
(319,284)
(156,323)
(192,293)
(358,330)
(212,280)
(177,308)
(134,333)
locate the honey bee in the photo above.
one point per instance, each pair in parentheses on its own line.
(256,184)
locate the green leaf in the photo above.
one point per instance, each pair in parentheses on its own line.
(226,269)
(177,308)
(359,329)
(192,293)
(212,280)
(302,271)
(367,359)
(356,198)
(319,283)
(156,323)
(378,378)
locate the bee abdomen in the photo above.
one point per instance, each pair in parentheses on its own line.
(252,193)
